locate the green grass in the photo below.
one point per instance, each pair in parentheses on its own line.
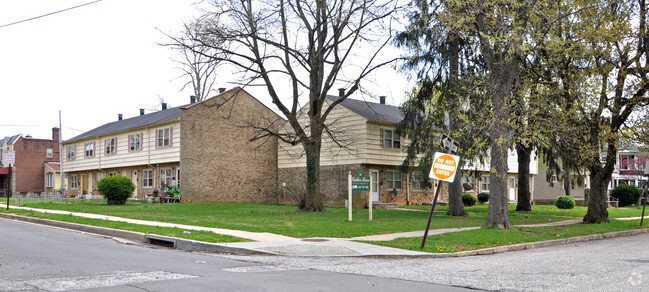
(205,236)
(492,237)
(287,220)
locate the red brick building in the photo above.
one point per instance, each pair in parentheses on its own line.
(27,178)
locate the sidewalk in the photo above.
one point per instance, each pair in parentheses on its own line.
(269,243)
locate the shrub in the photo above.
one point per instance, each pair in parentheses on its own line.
(116,189)
(483,198)
(626,194)
(468,200)
(564,202)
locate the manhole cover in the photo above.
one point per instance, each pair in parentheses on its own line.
(315,239)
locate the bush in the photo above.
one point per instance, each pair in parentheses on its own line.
(116,189)
(564,202)
(483,198)
(626,194)
(468,200)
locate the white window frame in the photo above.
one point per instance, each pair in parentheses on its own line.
(70,153)
(166,177)
(417,182)
(391,180)
(111,148)
(148,178)
(135,142)
(164,137)
(49,180)
(74,181)
(391,139)
(485,183)
(89,152)
(50,153)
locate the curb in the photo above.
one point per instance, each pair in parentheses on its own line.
(177,243)
(199,246)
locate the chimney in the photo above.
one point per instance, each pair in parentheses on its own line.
(341,92)
(164,106)
(141,111)
(55,134)
(28,136)
(382,99)
(192,99)
(222,90)
(119,117)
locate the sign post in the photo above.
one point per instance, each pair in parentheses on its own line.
(443,169)
(11,159)
(349,196)
(358,182)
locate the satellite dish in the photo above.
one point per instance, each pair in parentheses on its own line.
(429,184)
(394,191)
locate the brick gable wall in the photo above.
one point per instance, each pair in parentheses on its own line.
(219,162)
(31,154)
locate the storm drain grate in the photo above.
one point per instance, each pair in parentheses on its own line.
(315,239)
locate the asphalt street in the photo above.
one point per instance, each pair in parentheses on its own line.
(40,258)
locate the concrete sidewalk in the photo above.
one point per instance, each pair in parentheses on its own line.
(269,243)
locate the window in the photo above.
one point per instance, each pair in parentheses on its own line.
(418,181)
(485,182)
(392,179)
(90,149)
(99,176)
(50,153)
(164,137)
(148,178)
(134,142)
(391,139)
(70,152)
(110,146)
(74,182)
(468,179)
(166,177)
(49,180)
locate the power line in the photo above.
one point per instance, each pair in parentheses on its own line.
(48,14)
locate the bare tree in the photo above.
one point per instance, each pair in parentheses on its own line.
(305,46)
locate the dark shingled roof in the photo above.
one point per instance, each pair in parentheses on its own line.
(9,140)
(167,115)
(372,111)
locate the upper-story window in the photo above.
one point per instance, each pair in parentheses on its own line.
(164,137)
(391,139)
(50,152)
(134,142)
(110,146)
(71,152)
(90,149)
(627,162)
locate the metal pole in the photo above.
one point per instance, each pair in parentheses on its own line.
(430,217)
(644,201)
(9,191)
(369,204)
(349,195)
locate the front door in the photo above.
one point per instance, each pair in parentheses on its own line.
(374,186)
(512,189)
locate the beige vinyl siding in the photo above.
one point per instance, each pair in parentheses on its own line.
(376,153)
(351,130)
(148,155)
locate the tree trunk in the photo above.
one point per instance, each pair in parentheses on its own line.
(524,196)
(455,205)
(314,199)
(597,212)
(503,80)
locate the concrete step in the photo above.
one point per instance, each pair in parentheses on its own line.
(384,206)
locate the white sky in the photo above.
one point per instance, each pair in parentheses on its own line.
(97,61)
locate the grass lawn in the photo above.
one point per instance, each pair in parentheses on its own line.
(205,236)
(287,220)
(491,237)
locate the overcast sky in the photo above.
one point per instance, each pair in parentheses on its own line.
(97,61)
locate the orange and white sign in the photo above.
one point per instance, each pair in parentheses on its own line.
(444,166)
